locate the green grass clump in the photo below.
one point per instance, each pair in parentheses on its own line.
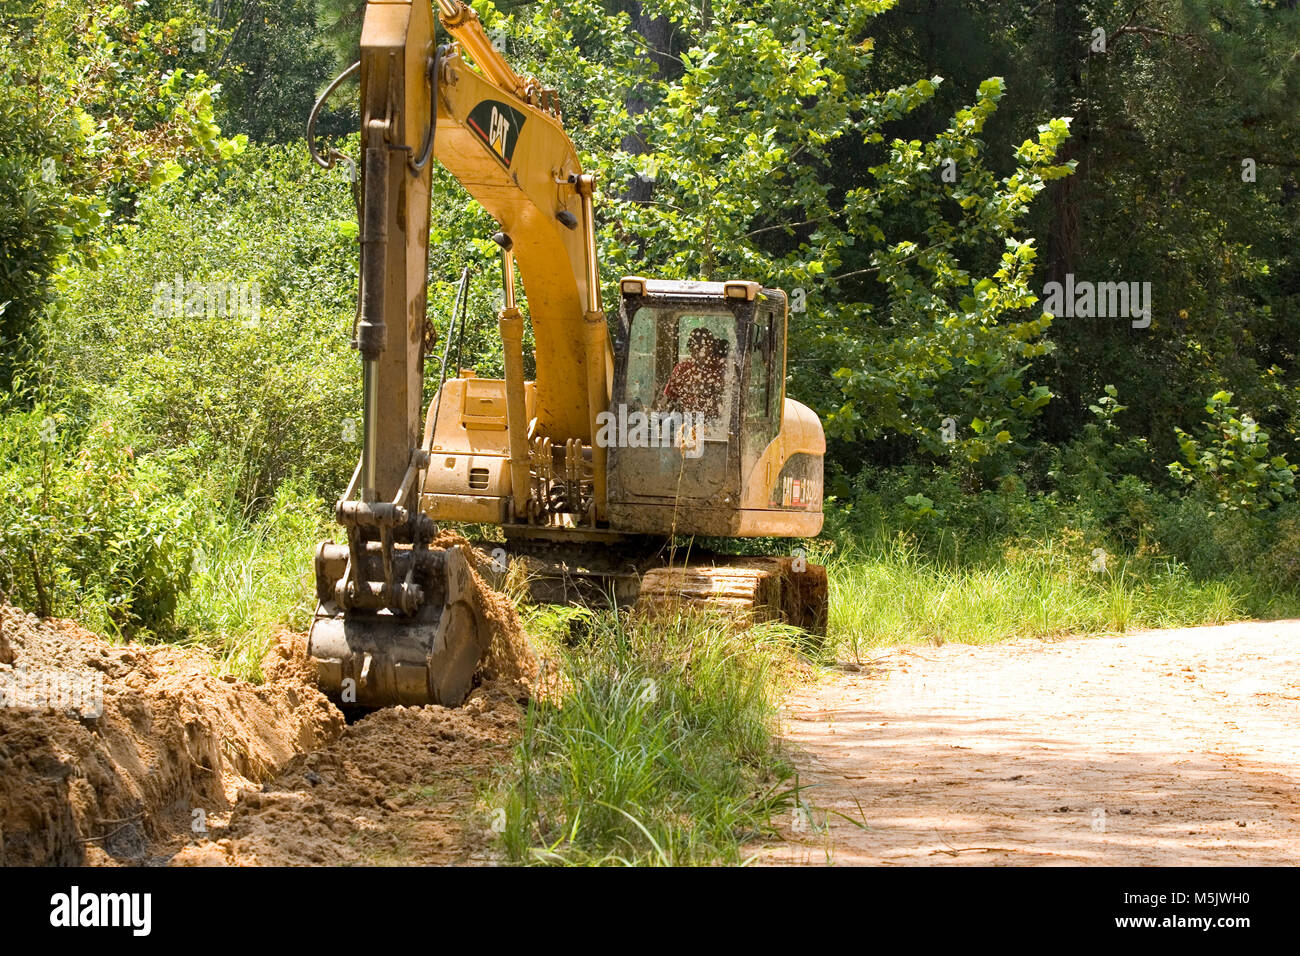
(250,577)
(891,593)
(651,745)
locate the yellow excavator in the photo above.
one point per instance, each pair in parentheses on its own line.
(683,429)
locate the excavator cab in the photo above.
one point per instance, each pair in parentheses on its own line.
(702,439)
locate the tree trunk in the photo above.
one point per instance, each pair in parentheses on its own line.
(659,41)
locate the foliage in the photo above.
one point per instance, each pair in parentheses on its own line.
(771,157)
(248,389)
(905,177)
(88,529)
(1232,465)
(1185,131)
(250,577)
(653,745)
(98,102)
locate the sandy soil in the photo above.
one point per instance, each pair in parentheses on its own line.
(401,786)
(106,749)
(1176,747)
(129,755)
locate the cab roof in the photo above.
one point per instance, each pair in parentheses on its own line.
(731,289)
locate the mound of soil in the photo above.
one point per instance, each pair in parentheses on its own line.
(114,754)
(106,750)
(509,662)
(402,785)
(399,787)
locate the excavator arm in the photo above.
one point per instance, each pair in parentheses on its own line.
(500,136)
(398,621)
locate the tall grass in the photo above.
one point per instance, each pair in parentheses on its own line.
(651,745)
(890,593)
(250,577)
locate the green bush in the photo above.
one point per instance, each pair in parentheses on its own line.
(89,530)
(1278,565)
(243,376)
(1231,466)
(943,510)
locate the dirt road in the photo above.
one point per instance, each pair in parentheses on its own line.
(1157,748)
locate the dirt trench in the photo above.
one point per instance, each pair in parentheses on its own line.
(130,755)
(400,786)
(106,750)
(1174,747)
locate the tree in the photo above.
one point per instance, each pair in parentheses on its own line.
(97,102)
(1186,121)
(773,158)
(278,58)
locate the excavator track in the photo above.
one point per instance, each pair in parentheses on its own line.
(749,589)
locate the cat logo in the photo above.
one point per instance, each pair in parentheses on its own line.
(498,125)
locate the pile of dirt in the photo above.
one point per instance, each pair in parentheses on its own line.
(510,660)
(399,787)
(509,663)
(123,754)
(107,750)
(402,784)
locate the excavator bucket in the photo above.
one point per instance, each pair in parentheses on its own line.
(398,620)
(383,657)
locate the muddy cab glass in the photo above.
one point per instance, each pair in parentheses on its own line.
(682,359)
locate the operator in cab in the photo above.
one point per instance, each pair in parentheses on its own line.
(697,384)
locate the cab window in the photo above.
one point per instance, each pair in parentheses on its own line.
(684,360)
